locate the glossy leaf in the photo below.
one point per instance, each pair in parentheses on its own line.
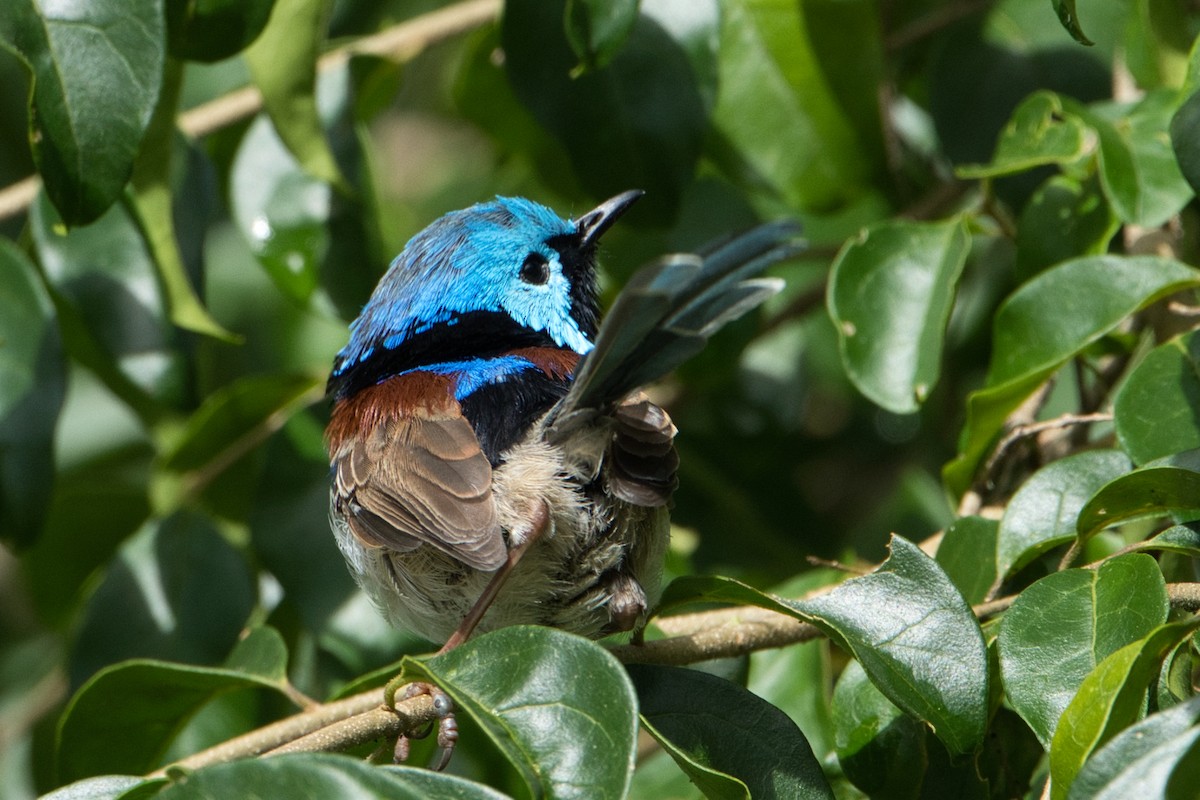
(283,62)
(152,199)
(964,554)
(323,775)
(522,686)
(1138,169)
(770,80)
(917,639)
(731,743)
(1138,761)
(1110,698)
(717,589)
(96,67)
(1156,407)
(1044,511)
(1151,491)
(890,295)
(211,30)
(114,319)
(32,387)
(1064,219)
(1070,20)
(596,29)
(1182,539)
(1034,335)
(157,599)
(641,120)
(796,679)
(104,787)
(1039,133)
(880,748)
(1185,139)
(1104,289)
(125,716)
(282,209)
(1061,627)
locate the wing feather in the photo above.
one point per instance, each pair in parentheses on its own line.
(421,479)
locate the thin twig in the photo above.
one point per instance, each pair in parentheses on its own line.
(400,43)
(1034,428)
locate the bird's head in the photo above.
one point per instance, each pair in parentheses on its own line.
(478,282)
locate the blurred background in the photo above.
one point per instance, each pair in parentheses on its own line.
(163,489)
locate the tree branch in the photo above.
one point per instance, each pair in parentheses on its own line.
(400,43)
(702,636)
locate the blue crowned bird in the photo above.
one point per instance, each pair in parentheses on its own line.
(494,461)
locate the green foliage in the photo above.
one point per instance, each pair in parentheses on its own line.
(1003,227)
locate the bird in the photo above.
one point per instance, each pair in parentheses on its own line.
(494,459)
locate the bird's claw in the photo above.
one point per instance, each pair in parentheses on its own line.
(447,724)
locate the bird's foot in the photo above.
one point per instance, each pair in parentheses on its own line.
(447,724)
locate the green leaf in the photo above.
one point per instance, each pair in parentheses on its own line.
(1061,627)
(1138,761)
(1035,333)
(967,554)
(152,200)
(1182,539)
(1044,511)
(158,599)
(104,787)
(890,294)
(1064,219)
(731,743)
(261,652)
(99,276)
(770,80)
(322,775)
(1138,169)
(96,67)
(917,639)
(796,679)
(1156,405)
(283,62)
(1185,139)
(1070,20)
(596,29)
(126,715)
(1040,132)
(212,30)
(880,748)
(641,120)
(1151,491)
(565,737)
(1109,699)
(231,424)
(32,388)
(282,209)
(59,567)
(718,589)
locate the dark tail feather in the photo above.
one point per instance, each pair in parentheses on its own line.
(666,313)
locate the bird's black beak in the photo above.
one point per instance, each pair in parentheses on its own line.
(592,224)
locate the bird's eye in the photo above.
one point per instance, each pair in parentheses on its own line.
(535,270)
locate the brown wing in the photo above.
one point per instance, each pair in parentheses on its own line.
(642,459)
(421,479)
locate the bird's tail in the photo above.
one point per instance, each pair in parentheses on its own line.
(666,313)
